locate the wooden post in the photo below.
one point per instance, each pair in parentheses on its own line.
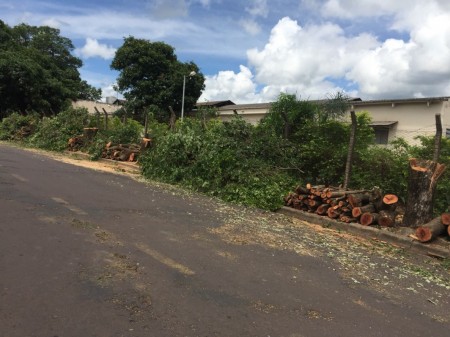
(97,113)
(437,138)
(173,119)
(106,118)
(423,178)
(351,149)
(146,125)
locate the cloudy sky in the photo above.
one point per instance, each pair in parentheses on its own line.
(252,50)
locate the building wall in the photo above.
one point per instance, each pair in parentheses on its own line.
(90,106)
(414,118)
(252,117)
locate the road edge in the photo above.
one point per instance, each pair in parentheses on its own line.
(402,241)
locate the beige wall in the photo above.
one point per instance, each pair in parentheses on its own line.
(414,118)
(252,117)
(89,105)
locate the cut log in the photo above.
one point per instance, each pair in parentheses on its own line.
(368,219)
(430,230)
(390,199)
(333,213)
(358,199)
(347,219)
(358,211)
(301,190)
(445,218)
(386,218)
(322,209)
(422,181)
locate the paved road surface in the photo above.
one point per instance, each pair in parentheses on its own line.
(88,253)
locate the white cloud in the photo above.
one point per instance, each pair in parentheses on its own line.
(238,87)
(258,8)
(306,58)
(250,26)
(315,60)
(54,23)
(94,49)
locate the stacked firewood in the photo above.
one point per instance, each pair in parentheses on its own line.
(121,152)
(125,152)
(359,206)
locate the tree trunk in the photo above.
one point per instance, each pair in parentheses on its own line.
(351,149)
(423,178)
(89,133)
(430,230)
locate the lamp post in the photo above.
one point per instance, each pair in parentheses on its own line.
(192,73)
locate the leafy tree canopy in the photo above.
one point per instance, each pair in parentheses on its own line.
(151,75)
(38,71)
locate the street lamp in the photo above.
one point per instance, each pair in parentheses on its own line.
(192,73)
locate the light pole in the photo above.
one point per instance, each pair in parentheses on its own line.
(192,73)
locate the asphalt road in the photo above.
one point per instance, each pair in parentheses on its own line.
(88,253)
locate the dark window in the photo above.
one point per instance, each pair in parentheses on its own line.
(447,133)
(381,135)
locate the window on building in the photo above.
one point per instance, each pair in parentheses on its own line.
(381,135)
(447,133)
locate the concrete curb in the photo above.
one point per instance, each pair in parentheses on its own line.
(127,166)
(405,242)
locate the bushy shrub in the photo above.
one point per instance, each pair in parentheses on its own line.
(18,127)
(53,132)
(218,159)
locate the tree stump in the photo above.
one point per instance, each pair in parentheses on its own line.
(423,178)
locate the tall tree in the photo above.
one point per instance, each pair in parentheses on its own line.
(151,75)
(37,70)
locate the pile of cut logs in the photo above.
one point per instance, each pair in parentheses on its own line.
(366,207)
(120,152)
(125,152)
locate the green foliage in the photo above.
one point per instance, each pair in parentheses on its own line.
(128,132)
(288,115)
(18,127)
(151,75)
(53,132)
(385,167)
(219,159)
(118,132)
(37,70)
(425,151)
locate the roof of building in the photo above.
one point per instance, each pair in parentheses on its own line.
(215,104)
(402,100)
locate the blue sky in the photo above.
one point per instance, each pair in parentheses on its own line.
(250,51)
